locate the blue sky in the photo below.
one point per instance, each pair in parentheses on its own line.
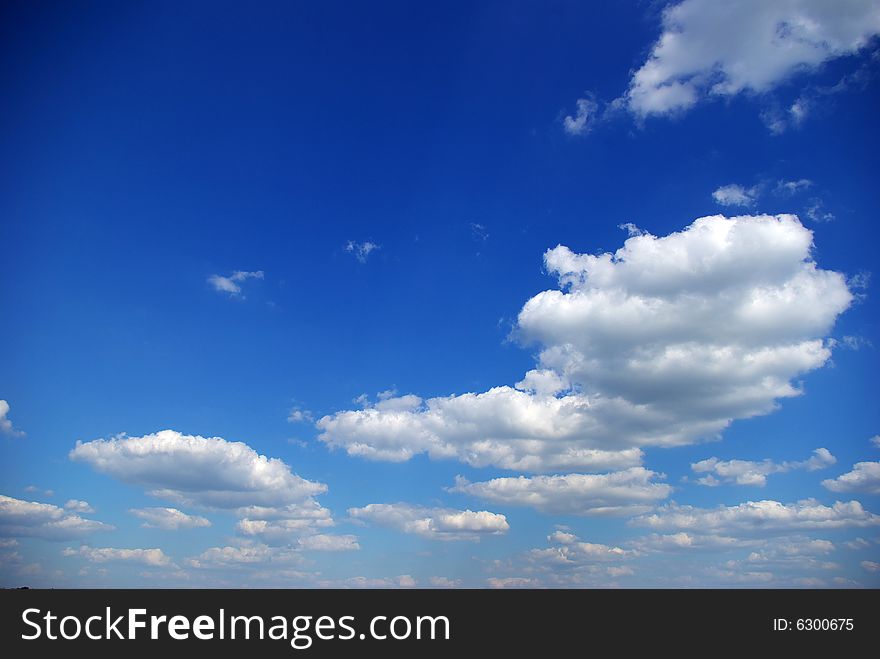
(390,183)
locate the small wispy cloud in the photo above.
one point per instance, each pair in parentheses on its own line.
(33,489)
(582,120)
(734,194)
(817,212)
(479,232)
(299,415)
(789,188)
(232,283)
(361,251)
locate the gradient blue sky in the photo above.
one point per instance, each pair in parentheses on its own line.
(146,147)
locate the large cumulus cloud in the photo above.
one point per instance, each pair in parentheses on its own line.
(662,343)
(210,472)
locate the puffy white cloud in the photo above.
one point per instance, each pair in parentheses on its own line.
(232,283)
(241,556)
(569,549)
(194,470)
(581,122)
(663,343)
(735,195)
(325,542)
(277,531)
(711,49)
(361,251)
(543,382)
(78,506)
(6,427)
(43,520)
(168,519)
(748,472)
(870,566)
(503,426)
(760,518)
(151,557)
(433,523)
(693,329)
(875,440)
(628,492)
(864,477)
(283,525)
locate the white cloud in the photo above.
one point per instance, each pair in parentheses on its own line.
(232,283)
(244,556)
(401,581)
(6,427)
(748,472)
(581,122)
(434,523)
(797,554)
(663,343)
(444,582)
(760,518)
(406,581)
(793,187)
(710,49)
(870,566)
(875,440)
(194,470)
(361,251)
(504,427)
(683,541)
(324,542)
(77,506)
(297,415)
(864,477)
(627,492)
(817,213)
(151,557)
(281,527)
(43,520)
(735,195)
(168,519)
(512,582)
(857,543)
(567,562)
(569,549)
